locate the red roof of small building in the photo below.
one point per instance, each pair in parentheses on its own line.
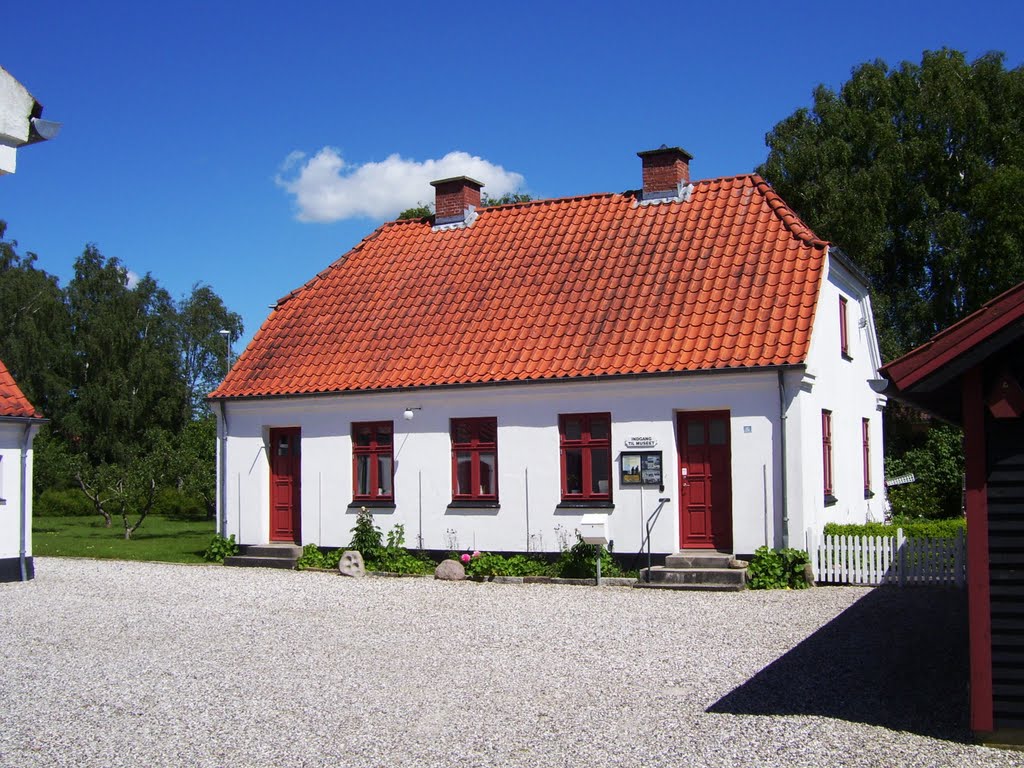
(13,404)
(928,375)
(567,288)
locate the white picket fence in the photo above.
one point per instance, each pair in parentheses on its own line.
(887,559)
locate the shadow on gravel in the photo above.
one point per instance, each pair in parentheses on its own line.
(897,658)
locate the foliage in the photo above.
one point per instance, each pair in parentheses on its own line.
(777,569)
(314,557)
(937,460)
(62,503)
(203,350)
(493,564)
(395,558)
(914,171)
(487,201)
(580,561)
(912,528)
(220,548)
(366,536)
(420,211)
(162,539)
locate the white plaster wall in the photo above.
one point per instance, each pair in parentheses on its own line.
(12,436)
(528,456)
(841,386)
(15,110)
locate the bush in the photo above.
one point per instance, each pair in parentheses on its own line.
(782,569)
(366,537)
(912,528)
(68,503)
(170,502)
(220,548)
(314,557)
(580,561)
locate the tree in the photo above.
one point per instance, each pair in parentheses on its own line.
(915,173)
(125,370)
(422,211)
(35,340)
(201,318)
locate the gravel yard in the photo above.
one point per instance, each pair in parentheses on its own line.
(110,663)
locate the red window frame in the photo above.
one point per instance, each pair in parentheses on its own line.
(373,450)
(844,337)
(583,487)
(478,437)
(865,429)
(826,455)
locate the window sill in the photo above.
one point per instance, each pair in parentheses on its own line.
(847,356)
(372,504)
(868,494)
(471,504)
(586,504)
(830,499)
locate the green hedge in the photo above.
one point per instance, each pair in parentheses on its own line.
(917,528)
(67,503)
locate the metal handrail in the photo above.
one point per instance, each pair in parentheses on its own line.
(647,537)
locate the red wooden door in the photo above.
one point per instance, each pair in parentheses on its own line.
(285,511)
(705,480)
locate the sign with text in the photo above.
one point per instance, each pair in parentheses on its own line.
(641,442)
(640,468)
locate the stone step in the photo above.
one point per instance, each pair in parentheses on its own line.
(254,561)
(690,587)
(698,559)
(663,575)
(271,550)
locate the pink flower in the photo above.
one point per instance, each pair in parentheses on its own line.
(476,554)
(465,558)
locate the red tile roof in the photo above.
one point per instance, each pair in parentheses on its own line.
(551,289)
(12,402)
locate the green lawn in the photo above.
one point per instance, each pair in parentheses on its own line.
(170,540)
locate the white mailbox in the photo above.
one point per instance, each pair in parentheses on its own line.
(594,528)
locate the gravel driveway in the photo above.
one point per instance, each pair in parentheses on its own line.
(109,663)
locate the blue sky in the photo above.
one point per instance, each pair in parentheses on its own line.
(248,145)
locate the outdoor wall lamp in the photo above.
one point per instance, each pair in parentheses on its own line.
(409,412)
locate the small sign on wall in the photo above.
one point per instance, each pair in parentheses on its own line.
(640,468)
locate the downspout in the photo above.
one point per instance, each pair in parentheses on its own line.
(782,448)
(23,504)
(223,521)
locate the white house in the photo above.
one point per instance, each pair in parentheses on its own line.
(688,358)
(21,121)
(19,423)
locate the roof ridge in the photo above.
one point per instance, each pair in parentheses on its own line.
(797,226)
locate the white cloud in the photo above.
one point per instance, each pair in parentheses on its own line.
(132,279)
(326,188)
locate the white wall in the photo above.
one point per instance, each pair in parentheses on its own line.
(12,436)
(15,110)
(840,385)
(528,454)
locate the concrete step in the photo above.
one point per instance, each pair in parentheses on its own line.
(249,561)
(699,558)
(664,575)
(690,587)
(271,550)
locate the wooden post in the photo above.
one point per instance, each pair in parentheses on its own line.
(901,557)
(979,605)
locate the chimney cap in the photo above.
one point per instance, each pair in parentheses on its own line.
(464,179)
(663,150)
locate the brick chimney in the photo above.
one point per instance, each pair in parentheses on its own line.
(455,199)
(666,172)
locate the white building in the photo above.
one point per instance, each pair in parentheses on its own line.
(21,121)
(689,357)
(19,423)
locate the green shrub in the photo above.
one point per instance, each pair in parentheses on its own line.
(366,537)
(170,502)
(220,548)
(580,561)
(912,528)
(67,503)
(395,558)
(311,557)
(782,569)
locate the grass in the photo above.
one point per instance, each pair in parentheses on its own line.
(163,539)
